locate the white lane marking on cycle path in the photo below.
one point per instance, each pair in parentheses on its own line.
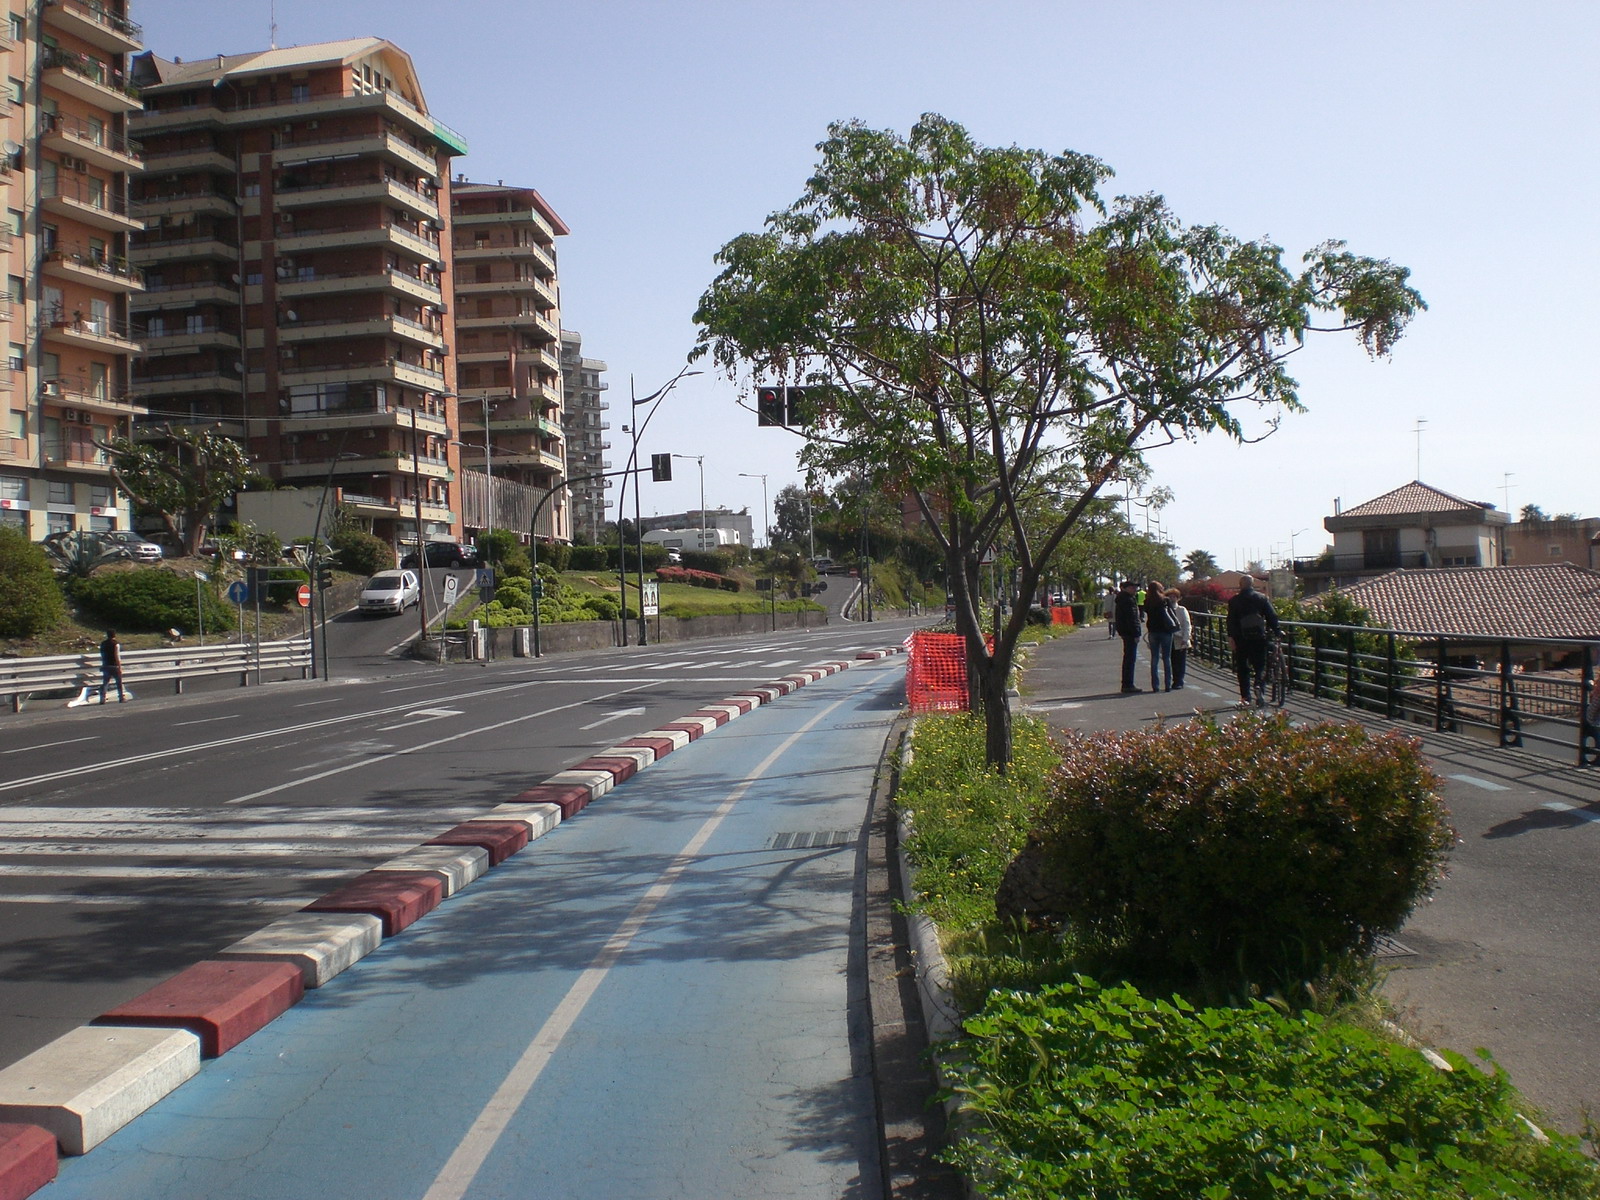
(490,1125)
(1479,783)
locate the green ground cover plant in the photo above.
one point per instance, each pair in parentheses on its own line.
(1104,1094)
(1075,1088)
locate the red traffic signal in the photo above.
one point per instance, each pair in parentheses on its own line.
(770,406)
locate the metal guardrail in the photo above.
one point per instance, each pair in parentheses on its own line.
(63,674)
(1449,681)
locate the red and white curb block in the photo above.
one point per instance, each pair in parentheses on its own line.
(69,1096)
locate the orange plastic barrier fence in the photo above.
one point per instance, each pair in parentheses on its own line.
(1061,615)
(936,672)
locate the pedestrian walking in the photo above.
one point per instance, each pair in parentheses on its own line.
(1108,610)
(1160,624)
(1129,629)
(111,666)
(1252,621)
(1181,639)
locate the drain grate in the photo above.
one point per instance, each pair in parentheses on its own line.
(1387,947)
(811,839)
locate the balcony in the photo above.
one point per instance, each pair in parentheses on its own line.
(390,191)
(93,24)
(345,145)
(209,202)
(184,159)
(98,270)
(79,393)
(205,245)
(526,322)
(349,283)
(89,202)
(365,414)
(89,333)
(543,231)
(159,341)
(389,370)
(186,294)
(341,237)
(73,455)
(186,383)
(90,80)
(543,261)
(356,326)
(93,143)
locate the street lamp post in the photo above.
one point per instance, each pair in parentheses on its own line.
(772,589)
(422,546)
(701,460)
(634,428)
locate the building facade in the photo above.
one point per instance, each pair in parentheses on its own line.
(508,325)
(65,172)
(295,250)
(588,432)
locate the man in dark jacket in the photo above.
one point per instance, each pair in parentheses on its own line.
(1129,629)
(1252,621)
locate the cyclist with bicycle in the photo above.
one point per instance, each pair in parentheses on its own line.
(1252,623)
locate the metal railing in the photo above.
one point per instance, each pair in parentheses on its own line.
(1449,681)
(63,674)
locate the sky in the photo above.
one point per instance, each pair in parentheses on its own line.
(1457,138)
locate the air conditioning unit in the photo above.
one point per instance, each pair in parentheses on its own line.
(52,387)
(322,437)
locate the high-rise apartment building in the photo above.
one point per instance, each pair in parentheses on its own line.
(588,437)
(64,390)
(296,243)
(508,329)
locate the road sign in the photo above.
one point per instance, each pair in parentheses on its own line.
(303,594)
(449,587)
(652,599)
(239,591)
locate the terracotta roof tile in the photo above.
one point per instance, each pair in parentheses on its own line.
(1550,600)
(1414,497)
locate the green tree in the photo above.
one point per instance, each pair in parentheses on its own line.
(30,601)
(980,328)
(1199,564)
(1533,514)
(791,517)
(185,476)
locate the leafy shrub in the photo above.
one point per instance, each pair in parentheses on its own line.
(592,558)
(604,608)
(694,578)
(30,600)
(1079,1091)
(717,562)
(360,553)
(496,544)
(557,554)
(1251,853)
(513,592)
(150,599)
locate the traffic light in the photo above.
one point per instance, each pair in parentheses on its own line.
(661,467)
(795,408)
(770,409)
(324,578)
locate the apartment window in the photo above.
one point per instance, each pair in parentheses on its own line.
(14,91)
(252,187)
(300,93)
(156,326)
(99,382)
(18,290)
(60,492)
(13,487)
(100,496)
(58,522)
(18,359)
(14,222)
(1554,551)
(19,31)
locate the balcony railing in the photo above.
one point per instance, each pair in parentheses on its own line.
(1350,564)
(88,67)
(97,136)
(91,260)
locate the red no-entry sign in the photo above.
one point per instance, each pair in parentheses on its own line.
(303,594)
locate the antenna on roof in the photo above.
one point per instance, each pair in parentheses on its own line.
(272,30)
(1421,421)
(1505,489)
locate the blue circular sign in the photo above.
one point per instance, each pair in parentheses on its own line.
(238,591)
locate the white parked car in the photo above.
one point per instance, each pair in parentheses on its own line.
(390,592)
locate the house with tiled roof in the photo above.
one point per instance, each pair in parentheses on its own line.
(1550,600)
(1416,526)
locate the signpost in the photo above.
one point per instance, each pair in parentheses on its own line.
(303,595)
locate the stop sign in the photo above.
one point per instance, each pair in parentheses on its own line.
(303,594)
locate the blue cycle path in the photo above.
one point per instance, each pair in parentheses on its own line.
(661,998)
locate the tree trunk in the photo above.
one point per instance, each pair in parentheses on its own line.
(996,716)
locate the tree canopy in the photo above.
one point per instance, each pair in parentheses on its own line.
(185,476)
(977,328)
(1200,564)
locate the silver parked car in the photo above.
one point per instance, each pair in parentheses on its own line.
(137,547)
(390,592)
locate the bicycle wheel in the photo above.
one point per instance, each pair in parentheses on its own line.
(1278,677)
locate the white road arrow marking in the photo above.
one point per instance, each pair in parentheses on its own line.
(427,714)
(613,716)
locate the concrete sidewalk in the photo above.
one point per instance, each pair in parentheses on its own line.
(1501,956)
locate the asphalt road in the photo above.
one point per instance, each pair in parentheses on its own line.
(662,998)
(136,839)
